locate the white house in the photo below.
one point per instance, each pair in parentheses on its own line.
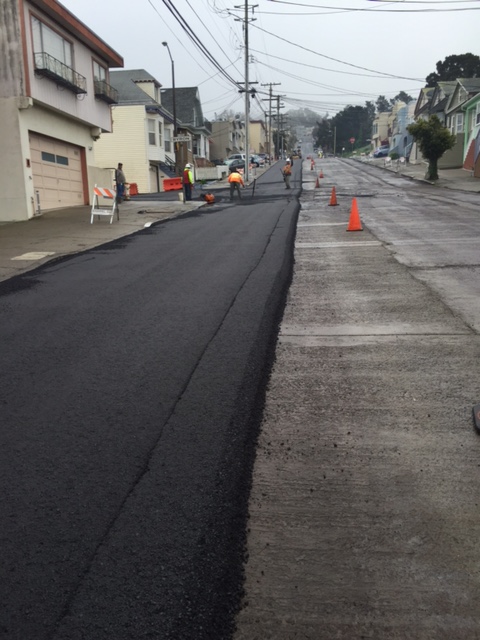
(142,134)
(55,101)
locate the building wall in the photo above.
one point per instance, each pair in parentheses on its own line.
(85,107)
(12,80)
(221,142)
(17,200)
(257,137)
(126,144)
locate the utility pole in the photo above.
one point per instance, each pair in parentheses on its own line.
(269,121)
(278,114)
(246,20)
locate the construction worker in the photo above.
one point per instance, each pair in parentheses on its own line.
(188,181)
(120,182)
(287,172)
(235,180)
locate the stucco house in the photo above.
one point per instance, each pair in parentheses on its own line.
(471,109)
(227,137)
(257,136)
(400,140)
(190,121)
(380,129)
(142,133)
(55,99)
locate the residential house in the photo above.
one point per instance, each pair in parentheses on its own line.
(142,132)
(438,105)
(472,134)
(465,89)
(55,99)
(228,137)
(421,112)
(380,129)
(190,122)
(400,139)
(257,136)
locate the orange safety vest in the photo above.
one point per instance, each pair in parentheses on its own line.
(235,177)
(287,170)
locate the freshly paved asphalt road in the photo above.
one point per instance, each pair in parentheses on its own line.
(131,390)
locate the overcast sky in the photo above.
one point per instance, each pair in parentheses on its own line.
(325,53)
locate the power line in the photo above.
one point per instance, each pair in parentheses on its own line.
(349,64)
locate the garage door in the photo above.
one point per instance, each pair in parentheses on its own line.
(57,172)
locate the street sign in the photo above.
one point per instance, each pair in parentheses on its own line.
(181,139)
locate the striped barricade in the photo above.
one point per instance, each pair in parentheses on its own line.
(103,192)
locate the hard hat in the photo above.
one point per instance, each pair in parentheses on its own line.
(188,165)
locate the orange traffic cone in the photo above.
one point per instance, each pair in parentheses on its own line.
(333,198)
(321,174)
(317,184)
(354,223)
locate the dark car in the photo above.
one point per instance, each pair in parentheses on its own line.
(236,165)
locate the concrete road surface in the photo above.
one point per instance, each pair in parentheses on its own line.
(365,507)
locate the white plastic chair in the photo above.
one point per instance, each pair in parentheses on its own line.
(102,192)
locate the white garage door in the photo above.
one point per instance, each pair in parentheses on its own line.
(57,172)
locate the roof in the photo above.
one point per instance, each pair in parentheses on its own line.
(129,93)
(470,86)
(187,102)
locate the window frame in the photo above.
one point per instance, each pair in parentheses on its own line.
(151,122)
(46,25)
(100,66)
(459,123)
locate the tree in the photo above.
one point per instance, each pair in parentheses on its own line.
(466,65)
(382,104)
(402,97)
(351,122)
(433,139)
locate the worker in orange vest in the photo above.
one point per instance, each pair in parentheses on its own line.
(235,180)
(188,181)
(287,172)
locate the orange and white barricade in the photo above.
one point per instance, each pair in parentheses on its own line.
(103,192)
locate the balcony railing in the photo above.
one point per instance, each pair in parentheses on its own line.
(105,92)
(46,65)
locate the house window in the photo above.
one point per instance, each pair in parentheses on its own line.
(99,72)
(160,133)
(45,40)
(168,139)
(459,127)
(50,157)
(477,114)
(152,136)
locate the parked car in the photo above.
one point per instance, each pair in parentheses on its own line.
(235,165)
(235,156)
(381,152)
(257,161)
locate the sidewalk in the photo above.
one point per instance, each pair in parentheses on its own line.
(457,179)
(27,245)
